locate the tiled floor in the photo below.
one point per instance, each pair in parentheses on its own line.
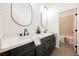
(64,50)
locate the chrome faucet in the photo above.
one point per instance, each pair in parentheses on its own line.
(45,31)
(25,30)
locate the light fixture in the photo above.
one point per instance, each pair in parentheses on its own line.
(44,9)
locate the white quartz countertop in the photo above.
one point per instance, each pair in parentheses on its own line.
(42,35)
(13,42)
(8,43)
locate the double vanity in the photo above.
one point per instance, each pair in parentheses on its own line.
(37,43)
(32,45)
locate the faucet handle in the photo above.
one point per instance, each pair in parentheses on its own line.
(27,34)
(20,34)
(24,34)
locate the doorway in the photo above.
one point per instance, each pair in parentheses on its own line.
(68,28)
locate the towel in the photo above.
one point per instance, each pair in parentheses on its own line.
(37,41)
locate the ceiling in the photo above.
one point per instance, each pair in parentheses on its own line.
(62,6)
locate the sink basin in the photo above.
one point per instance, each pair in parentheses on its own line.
(41,35)
(34,38)
(24,37)
(8,43)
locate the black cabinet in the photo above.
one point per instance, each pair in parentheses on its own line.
(24,50)
(48,44)
(39,50)
(46,47)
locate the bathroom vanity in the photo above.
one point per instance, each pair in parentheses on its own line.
(21,33)
(30,49)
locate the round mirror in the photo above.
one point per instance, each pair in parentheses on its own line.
(21,13)
(44,17)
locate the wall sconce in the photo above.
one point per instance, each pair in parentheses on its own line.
(44,9)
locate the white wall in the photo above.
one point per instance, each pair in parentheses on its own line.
(9,28)
(53,22)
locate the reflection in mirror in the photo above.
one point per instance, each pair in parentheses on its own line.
(21,13)
(44,17)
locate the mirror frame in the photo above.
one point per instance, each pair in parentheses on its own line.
(42,19)
(17,22)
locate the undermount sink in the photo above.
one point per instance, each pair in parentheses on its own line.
(24,37)
(34,38)
(14,41)
(41,35)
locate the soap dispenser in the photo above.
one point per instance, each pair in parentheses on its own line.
(38,30)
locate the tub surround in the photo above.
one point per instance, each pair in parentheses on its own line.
(8,43)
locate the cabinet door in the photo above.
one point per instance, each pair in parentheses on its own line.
(39,50)
(28,49)
(46,47)
(53,42)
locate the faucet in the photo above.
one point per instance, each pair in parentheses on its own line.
(45,31)
(25,30)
